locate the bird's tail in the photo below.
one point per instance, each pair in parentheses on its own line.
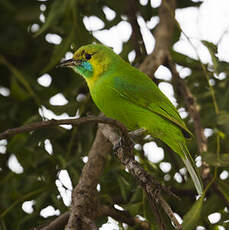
(191,167)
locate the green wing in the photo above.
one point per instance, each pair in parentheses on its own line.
(142,91)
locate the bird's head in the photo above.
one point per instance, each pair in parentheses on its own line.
(90,61)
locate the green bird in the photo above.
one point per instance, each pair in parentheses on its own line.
(124,93)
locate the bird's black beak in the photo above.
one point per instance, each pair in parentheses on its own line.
(69,63)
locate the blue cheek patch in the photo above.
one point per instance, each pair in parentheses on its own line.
(87,66)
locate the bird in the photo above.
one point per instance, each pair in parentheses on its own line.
(126,94)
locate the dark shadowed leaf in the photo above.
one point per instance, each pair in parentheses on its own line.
(191,218)
(212,48)
(56,12)
(59,51)
(223,120)
(212,159)
(224,188)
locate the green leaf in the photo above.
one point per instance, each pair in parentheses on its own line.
(224,188)
(21,199)
(16,143)
(212,159)
(187,3)
(192,217)
(20,77)
(124,187)
(212,48)
(59,51)
(137,195)
(222,67)
(184,60)
(149,213)
(223,120)
(17,91)
(69,108)
(134,208)
(28,13)
(57,10)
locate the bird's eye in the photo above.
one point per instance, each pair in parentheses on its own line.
(88,56)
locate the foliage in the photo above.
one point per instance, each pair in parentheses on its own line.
(25,55)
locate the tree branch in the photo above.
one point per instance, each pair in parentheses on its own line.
(149,184)
(50,123)
(163,36)
(105,210)
(136,36)
(58,223)
(85,203)
(153,204)
(125,217)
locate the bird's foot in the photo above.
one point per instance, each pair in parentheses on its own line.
(118,144)
(156,193)
(122,143)
(137,133)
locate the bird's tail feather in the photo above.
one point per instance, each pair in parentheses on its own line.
(191,167)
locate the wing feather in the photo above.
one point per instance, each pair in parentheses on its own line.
(143,92)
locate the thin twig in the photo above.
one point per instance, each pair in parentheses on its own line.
(163,36)
(58,223)
(50,123)
(125,217)
(136,36)
(169,212)
(156,211)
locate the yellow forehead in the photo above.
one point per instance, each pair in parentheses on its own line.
(82,53)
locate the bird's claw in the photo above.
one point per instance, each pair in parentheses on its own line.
(118,144)
(122,143)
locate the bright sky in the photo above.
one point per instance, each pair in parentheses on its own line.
(209,22)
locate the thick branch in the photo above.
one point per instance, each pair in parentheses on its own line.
(105,210)
(163,35)
(85,204)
